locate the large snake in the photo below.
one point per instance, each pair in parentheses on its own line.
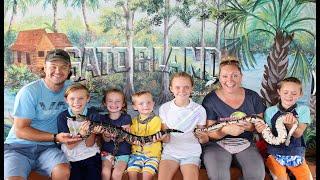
(267,135)
(119,133)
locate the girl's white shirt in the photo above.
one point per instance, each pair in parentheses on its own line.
(186,119)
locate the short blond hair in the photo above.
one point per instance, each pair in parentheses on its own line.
(74,87)
(292,80)
(136,95)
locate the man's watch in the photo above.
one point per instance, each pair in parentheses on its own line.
(55,139)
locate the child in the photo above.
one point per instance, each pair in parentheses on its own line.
(292,156)
(114,100)
(84,155)
(182,150)
(145,157)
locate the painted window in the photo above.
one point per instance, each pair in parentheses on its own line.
(19,57)
(28,58)
(40,53)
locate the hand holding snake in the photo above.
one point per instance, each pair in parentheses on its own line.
(261,126)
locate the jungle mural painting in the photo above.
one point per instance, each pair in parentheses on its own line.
(137,44)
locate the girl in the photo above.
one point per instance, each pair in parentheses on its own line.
(113,155)
(181,150)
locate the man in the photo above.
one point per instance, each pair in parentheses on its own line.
(31,142)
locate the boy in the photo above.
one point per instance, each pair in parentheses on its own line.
(145,157)
(292,156)
(84,155)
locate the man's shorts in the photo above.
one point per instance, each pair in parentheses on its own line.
(20,159)
(183,161)
(114,159)
(141,163)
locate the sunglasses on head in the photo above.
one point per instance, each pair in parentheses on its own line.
(231,61)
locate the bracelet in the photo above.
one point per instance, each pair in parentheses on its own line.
(55,138)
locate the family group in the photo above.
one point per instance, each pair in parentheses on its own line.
(48,136)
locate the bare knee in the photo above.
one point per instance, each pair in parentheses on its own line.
(117,174)
(61,172)
(133,175)
(106,173)
(147,176)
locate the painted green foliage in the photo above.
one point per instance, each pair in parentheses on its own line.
(286,23)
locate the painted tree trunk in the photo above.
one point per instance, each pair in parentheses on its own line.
(313,97)
(128,88)
(313,112)
(14,12)
(276,68)
(54,24)
(218,36)
(165,93)
(202,53)
(84,15)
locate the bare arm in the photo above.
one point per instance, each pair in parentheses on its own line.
(215,134)
(90,140)
(250,126)
(299,131)
(84,129)
(24,130)
(289,120)
(165,138)
(72,145)
(231,129)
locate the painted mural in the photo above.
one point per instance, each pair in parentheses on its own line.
(136,45)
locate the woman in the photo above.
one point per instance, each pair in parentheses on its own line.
(234,141)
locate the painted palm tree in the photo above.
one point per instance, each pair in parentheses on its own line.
(93,4)
(54,5)
(284,21)
(15,5)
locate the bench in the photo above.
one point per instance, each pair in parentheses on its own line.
(235,174)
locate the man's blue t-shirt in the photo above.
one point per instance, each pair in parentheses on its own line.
(37,102)
(124,147)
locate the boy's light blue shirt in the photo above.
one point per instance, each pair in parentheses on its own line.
(302,110)
(37,102)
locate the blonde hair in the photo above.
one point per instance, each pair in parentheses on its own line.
(230,60)
(136,95)
(114,90)
(74,87)
(181,74)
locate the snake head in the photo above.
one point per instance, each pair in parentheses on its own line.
(256,116)
(79,118)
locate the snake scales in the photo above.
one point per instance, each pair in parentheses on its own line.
(283,136)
